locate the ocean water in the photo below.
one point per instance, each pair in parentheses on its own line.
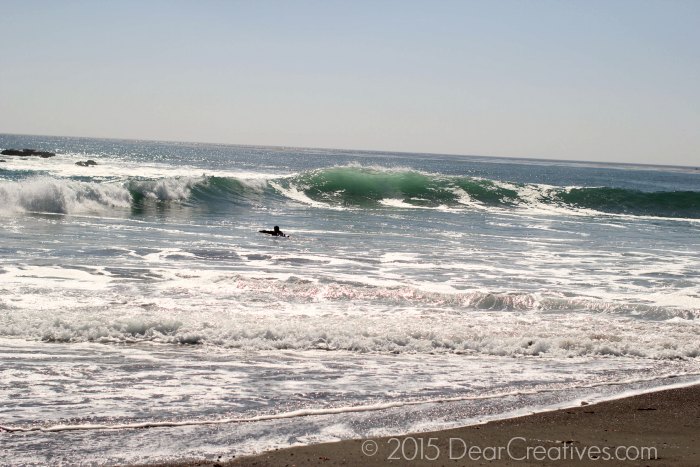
(144,318)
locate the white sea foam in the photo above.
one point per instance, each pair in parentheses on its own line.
(325,411)
(299,196)
(43,194)
(466,200)
(235,311)
(398,203)
(165,189)
(46,194)
(112,168)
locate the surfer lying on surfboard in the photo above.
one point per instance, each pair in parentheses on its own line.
(275,233)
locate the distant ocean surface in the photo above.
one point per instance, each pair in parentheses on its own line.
(415,292)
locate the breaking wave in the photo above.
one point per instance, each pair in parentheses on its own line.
(371,187)
(44,194)
(358,186)
(60,196)
(353,187)
(618,200)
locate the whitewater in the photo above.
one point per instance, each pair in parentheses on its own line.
(143,317)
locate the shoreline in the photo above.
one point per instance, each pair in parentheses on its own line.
(658,428)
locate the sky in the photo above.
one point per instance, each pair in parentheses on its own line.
(598,80)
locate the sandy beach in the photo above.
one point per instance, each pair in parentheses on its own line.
(657,429)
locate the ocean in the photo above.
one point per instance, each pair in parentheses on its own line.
(144,318)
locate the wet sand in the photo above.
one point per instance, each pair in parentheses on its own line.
(655,429)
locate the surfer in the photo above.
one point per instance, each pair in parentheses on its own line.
(275,233)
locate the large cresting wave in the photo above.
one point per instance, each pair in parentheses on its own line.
(353,187)
(372,187)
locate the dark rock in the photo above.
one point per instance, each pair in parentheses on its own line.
(86,163)
(27,152)
(3,160)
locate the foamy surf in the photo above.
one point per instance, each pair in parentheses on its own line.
(193,406)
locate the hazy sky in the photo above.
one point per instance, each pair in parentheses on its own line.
(594,80)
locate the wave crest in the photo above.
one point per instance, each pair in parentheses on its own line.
(340,187)
(372,187)
(367,187)
(50,195)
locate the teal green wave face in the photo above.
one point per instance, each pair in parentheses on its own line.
(619,200)
(350,186)
(487,192)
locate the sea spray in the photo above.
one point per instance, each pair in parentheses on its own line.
(351,187)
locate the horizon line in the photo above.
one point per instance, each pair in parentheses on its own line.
(376,151)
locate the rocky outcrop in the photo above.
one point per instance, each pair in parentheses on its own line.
(86,163)
(27,152)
